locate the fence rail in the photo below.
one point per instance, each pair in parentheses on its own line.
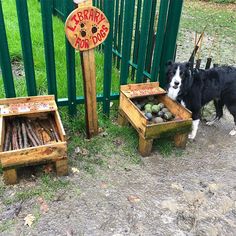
(142,38)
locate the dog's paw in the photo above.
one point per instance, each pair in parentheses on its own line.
(232,132)
(210,123)
(191,136)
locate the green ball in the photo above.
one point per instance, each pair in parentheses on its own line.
(148,109)
(156,108)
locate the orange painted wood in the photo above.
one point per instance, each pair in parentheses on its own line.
(86,27)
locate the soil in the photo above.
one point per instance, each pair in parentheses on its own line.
(194,194)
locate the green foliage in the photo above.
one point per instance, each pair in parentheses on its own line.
(13,35)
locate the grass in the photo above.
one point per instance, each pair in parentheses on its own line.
(218,19)
(13,36)
(47,187)
(113,143)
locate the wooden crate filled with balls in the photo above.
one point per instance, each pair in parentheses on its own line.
(31,133)
(153,114)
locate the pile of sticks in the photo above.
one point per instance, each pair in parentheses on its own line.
(23,132)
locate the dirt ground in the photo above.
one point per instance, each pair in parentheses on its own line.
(194,194)
(191,194)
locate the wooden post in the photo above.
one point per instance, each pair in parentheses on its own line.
(86,28)
(10,176)
(145,146)
(181,140)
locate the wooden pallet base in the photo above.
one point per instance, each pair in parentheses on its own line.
(10,175)
(145,145)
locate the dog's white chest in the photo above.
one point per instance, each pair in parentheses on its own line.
(173,93)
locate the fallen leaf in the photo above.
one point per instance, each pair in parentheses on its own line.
(43,205)
(77,150)
(29,220)
(84,152)
(75,170)
(103,134)
(81,151)
(133,198)
(103,185)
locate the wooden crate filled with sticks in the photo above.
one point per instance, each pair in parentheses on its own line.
(31,133)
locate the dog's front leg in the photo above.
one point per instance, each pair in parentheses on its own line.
(195,125)
(196,120)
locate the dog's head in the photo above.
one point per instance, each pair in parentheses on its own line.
(179,79)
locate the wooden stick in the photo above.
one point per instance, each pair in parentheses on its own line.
(15,144)
(31,138)
(47,130)
(24,133)
(7,143)
(19,134)
(53,130)
(33,133)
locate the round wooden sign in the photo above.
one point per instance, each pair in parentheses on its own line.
(86,28)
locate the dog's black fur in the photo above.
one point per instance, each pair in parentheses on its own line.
(198,87)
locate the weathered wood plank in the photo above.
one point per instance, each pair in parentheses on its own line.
(33,155)
(133,114)
(10,176)
(89,77)
(60,127)
(145,146)
(27,99)
(181,140)
(62,167)
(172,127)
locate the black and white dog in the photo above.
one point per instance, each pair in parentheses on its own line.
(195,88)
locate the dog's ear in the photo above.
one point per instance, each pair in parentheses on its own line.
(169,63)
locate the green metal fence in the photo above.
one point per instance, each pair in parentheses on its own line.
(142,38)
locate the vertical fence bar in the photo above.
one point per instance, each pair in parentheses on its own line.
(120,30)
(109,11)
(5,60)
(46,11)
(70,66)
(137,35)
(127,40)
(171,33)
(116,23)
(143,39)
(163,13)
(151,37)
(23,19)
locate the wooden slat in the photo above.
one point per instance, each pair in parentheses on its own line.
(170,128)
(142,89)
(175,108)
(34,155)
(60,127)
(2,133)
(27,99)
(135,117)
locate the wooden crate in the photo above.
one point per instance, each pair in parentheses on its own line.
(129,112)
(56,152)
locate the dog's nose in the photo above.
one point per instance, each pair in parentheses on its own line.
(176,83)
